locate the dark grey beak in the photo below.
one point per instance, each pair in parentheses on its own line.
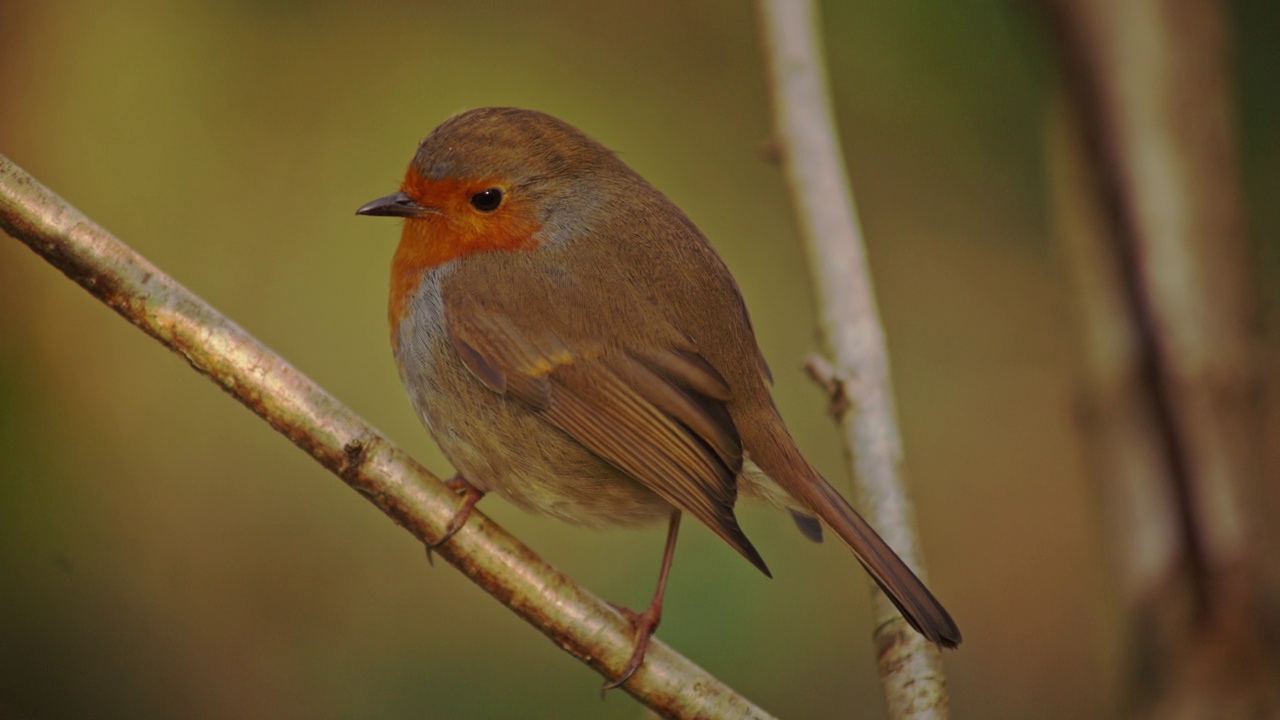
(395,205)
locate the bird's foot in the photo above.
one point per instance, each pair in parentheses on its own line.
(471,495)
(645,624)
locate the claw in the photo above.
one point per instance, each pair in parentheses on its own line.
(471,496)
(645,623)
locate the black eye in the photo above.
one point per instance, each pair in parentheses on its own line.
(487,200)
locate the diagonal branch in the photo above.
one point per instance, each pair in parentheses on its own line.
(910,666)
(573,618)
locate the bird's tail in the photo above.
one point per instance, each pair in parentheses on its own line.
(918,606)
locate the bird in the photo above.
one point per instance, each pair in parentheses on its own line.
(575,345)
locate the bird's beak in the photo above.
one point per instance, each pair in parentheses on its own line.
(396,205)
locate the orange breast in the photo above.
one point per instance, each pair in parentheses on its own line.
(457,231)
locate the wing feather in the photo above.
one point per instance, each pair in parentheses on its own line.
(656,415)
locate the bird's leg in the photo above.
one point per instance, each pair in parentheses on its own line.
(645,623)
(471,495)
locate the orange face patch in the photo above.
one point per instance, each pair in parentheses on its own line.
(456,231)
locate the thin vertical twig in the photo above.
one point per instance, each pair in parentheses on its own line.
(910,666)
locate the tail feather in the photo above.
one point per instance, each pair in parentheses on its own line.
(809,526)
(918,606)
(782,461)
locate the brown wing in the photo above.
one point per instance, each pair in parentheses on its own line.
(657,414)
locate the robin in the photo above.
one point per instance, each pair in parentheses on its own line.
(576,346)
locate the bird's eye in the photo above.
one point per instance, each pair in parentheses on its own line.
(487,200)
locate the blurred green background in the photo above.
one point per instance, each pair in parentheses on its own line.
(165,554)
